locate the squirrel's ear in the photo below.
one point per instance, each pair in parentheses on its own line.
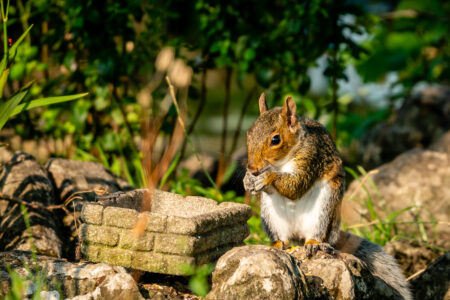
(262,103)
(290,111)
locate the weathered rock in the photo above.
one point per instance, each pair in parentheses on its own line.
(74,280)
(5,154)
(77,180)
(256,272)
(422,120)
(443,144)
(419,178)
(23,178)
(72,176)
(434,282)
(261,272)
(411,256)
(178,232)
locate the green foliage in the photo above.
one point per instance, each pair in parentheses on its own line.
(198,282)
(108,48)
(7,108)
(275,41)
(13,106)
(413,40)
(257,235)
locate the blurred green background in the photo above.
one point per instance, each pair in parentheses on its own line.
(346,63)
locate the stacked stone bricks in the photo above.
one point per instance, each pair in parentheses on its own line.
(180,232)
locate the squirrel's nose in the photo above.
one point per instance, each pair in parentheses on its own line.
(253,171)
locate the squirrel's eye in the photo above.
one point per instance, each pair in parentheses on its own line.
(276,140)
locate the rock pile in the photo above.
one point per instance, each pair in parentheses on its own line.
(206,230)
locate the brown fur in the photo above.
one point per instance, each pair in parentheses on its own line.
(309,144)
(348,243)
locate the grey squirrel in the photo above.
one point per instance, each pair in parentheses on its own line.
(295,166)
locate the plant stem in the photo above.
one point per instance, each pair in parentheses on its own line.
(175,102)
(24,15)
(5,30)
(200,107)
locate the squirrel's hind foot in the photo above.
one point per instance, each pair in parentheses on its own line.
(280,245)
(313,246)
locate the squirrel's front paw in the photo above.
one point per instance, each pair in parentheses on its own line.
(263,181)
(255,184)
(260,182)
(249,182)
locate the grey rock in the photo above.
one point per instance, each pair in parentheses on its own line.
(421,120)
(23,178)
(5,154)
(419,178)
(72,176)
(69,280)
(434,282)
(262,272)
(256,272)
(443,144)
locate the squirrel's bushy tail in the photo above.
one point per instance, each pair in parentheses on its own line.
(384,266)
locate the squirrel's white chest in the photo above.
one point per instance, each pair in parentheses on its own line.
(297,219)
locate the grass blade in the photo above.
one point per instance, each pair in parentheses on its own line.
(45,101)
(170,170)
(353,173)
(7,108)
(3,79)
(12,51)
(102,155)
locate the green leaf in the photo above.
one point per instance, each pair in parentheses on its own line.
(170,170)
(17,70)
(3,79)
(391,217)
(7,108)
(13,48)
(44,102)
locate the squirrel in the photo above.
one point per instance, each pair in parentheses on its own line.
(295,167)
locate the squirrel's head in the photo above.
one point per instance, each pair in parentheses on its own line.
(272,136)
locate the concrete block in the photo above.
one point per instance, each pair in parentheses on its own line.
(120,217)
(175,244)
(115,256)
(180,232)
(129,241)
(92,214)
(99,235)
(149,261)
